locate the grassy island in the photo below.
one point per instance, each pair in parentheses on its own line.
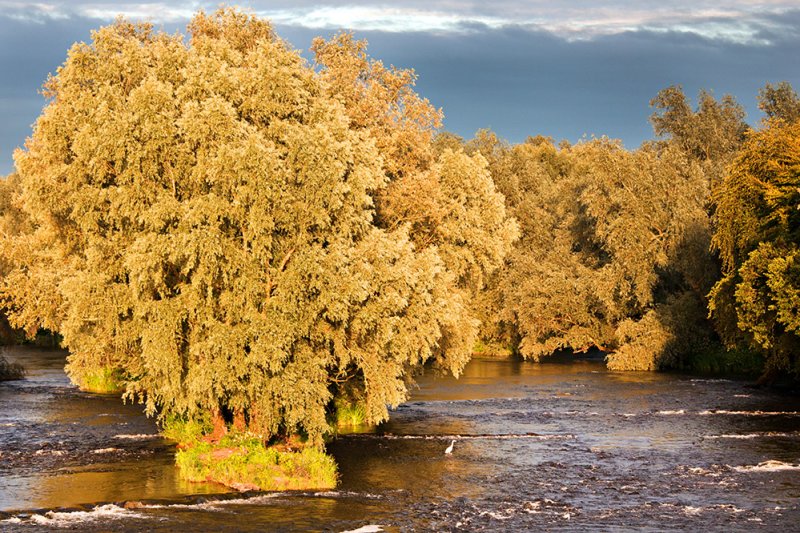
(243,461)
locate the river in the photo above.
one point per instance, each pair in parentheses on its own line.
(537,447)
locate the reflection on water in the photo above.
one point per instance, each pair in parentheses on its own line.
(61,447)
(538,446)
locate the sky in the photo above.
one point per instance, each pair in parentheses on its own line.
(567,69)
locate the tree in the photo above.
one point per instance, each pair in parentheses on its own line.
(209,212)
(608,253)
(756,232)
(779,102)
(711,134)
(445,198)
(381,101)
(26,260)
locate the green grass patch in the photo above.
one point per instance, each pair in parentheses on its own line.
(10,371)
(349,414)
(245,463)
(103,380)
(185,431)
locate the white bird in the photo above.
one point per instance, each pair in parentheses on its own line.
(449,449)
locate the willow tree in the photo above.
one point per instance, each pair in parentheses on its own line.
(600,263)
(445,198)
(211,208)
(757,234)
(380,101)
(710,134)
(779,101)
(11,223)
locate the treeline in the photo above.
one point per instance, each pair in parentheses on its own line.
(677,255)
(234,234)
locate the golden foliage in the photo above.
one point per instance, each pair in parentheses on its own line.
(757,231)
(202,218)
(608,236)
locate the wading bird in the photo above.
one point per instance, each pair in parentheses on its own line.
(449,449)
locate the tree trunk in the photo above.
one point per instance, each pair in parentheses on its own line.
(220,429)
(239,423)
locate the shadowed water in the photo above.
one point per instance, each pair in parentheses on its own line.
(552,446)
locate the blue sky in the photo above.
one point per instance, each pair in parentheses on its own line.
(566,69)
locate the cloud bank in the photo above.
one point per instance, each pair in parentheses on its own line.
(564,69)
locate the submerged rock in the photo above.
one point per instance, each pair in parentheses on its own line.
(10,371)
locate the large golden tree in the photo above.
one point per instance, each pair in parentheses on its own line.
(204,213)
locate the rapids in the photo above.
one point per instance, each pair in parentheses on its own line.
(538,447)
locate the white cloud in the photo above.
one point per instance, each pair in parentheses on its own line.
(32,11)
(393,19)
(155,11)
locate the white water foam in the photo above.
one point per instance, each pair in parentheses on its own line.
(766,466)
(214,505)
(501,436)
(749,413)
(372,528)
(703,471)
(106,450)
(570,413)
(670,413)
(346,493)
(73,518)
(498,516)
(141,436)
(57,453)
(691,510)
(547,505)
(763,434)
(532,507)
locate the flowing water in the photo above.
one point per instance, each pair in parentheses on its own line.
(537,447)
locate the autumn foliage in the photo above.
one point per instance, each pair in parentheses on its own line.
(237,234)
(201,215)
